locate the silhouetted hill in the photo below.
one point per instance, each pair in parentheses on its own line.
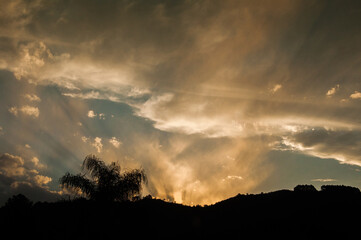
(282,214)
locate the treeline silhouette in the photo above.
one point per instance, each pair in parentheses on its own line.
(301,213)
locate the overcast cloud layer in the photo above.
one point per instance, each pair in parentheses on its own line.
(211,98)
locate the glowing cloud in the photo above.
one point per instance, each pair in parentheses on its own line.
(32,98)
(115,142)
(20,171)
(30,111)
(91,114)
(276,88)
(98,144)
(324,180)
(42,180)
(201,96)
(26,110)
(332,91)
(11,165)
(356,95)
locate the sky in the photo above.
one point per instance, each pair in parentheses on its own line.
(210,98)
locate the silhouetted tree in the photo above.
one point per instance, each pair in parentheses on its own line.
(340,189)
(19,202)
(305,188)
(102,182)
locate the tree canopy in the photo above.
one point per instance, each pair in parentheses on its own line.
(341,189)
(305,188)
(101,182)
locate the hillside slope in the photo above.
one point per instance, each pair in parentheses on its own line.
(282,214)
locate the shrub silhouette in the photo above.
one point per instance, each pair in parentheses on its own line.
(102,182)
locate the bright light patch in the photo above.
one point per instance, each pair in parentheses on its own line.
(98,144)
(32,98)
(324,180)
(332,91)
(91,114)
(115,142)
(26,110)
(232,177)
(356,95)
(276,88)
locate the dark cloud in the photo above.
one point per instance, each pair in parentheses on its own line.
(344,145)
(18,175)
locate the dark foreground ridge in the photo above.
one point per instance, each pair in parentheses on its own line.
(305,213)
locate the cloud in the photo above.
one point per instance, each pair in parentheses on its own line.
(16,166)
(35,62)
(89,95)
(11,165)
(30,111)
(324,180)
(21,175)
(32,98)
(101,116)
(230,178)
(31,58)
(98,144)
(115,142)
(91,114)
(276,88)
(176,67)
(332,91)
(13,110)
(42,180)
(184,116)
(355,95)
(37,163)
(13,20)
(340,144)
(190,84)
(176,168)
(26,110)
